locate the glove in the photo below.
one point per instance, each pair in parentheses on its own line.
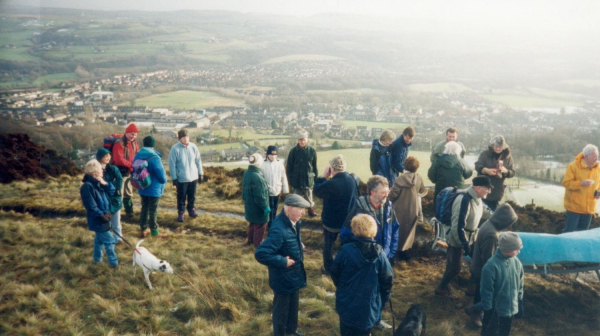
(267,210)
(467,249)
(174,183)
(106,217)
(521,309)
(200,177)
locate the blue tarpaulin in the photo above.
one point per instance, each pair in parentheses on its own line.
(543,248)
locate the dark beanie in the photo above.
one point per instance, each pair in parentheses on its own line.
(272,150)
(102,152)
(149,141)
(182,133)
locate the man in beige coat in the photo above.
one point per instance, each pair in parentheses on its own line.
(404,196)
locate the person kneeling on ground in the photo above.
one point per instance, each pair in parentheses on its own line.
(363,277)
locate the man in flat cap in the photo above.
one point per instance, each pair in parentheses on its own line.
(301,169)
(467,212)
(337,188)
(283,253)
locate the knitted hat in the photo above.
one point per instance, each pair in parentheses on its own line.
(272,150)
(182,133)
(338,163)
(132,129)
(482,181)
(255,160)
(296,201)
(102,152)
(302,135)
(149,141)
(509,241)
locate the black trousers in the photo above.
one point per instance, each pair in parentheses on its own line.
(453,258)
(285,313)
(186,190)
(328,241)
(351,331)
(494,325)
(273,203)
(149,213)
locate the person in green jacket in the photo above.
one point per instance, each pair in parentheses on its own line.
(301,170)
(449,169)
(113,176)
(255,194)
(501,287)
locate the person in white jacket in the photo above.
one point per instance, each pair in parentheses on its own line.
(274,174)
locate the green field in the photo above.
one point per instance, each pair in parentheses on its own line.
(188,100)
(377,124)
(583,82)
(350,91)
(514,100)
(247,134)
(439,87)
(17,54)
(55,78)
(220,146)
(302,57)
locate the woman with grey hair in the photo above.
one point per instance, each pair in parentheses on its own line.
(497,163)
(95,193)
(449,170)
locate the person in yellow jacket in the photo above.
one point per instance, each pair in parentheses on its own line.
(582,189)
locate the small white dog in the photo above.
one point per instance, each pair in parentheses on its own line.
(149,263)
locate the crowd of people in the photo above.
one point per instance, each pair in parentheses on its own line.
(375,229)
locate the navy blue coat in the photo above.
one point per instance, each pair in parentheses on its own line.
(283,241)
(339,195)
(399,149)
(95,199)
(363,277)
(380,161)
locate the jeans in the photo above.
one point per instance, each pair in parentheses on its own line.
(256,232)
(351,331)
(494,325)
(285,313)
(105,240)
(186,190)
(577,222)
(328,241)
(115,224)
(149,213)
(453,258)
(273,203)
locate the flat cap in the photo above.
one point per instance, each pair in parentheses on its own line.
(482,181)
(296,201)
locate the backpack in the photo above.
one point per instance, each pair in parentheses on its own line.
(443,204)
(110,140)
(140,177)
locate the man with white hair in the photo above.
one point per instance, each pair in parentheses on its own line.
(438,149)
(582,189)
(449,170)
(301,169)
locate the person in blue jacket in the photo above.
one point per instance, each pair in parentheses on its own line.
(337,188)
(283,253)
(95,193)
(377,205)
(112,175)
(363,277)
(399,149)
(380,160)
(151,195)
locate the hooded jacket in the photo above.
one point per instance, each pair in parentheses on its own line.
(185,164)
(449,171)
(489,159)
(381,161)
(487,237)
(274,174)
(156,170)
(502,284)
(467,212)
(123,152)
(113,176)
(363,277)
(580,199)
(387,228)
(283,241)
(404,196)
(94,197)
(255,194)
(301,167)
(399,149)
(338,195)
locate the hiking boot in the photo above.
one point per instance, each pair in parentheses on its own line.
(193,213)
(160,235)
(382,325)
(447,292)
(475,316)
(312,212)
(145,233)
(180,217)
